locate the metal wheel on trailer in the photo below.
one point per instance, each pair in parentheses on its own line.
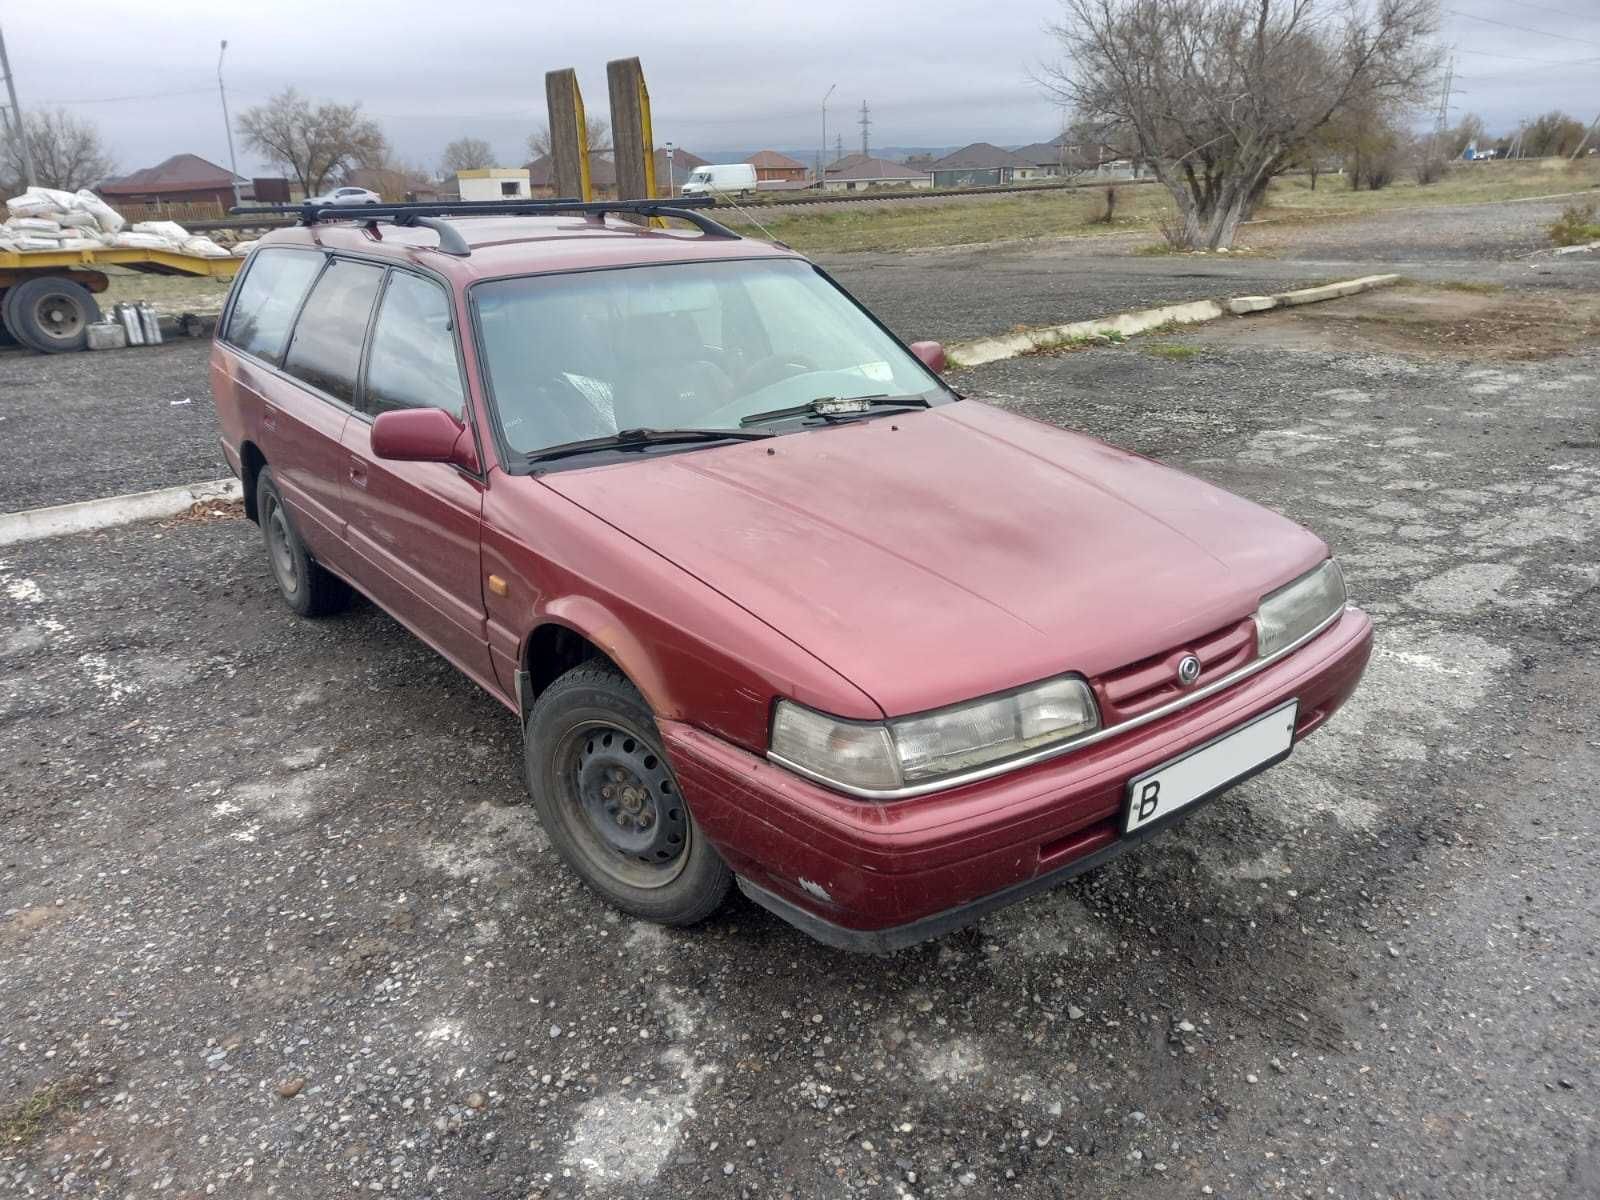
(47,297)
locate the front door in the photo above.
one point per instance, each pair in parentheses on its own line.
(416,525)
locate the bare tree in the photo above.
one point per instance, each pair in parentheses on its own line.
(313,142)
(1219,96)
(67,153)
(599,131)
(1555,133)
(466,154)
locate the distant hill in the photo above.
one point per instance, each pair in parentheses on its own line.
(808,155)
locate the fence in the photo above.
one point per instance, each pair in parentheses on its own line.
(205,210)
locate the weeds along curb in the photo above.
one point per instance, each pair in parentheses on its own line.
(1123,325)
(33,524)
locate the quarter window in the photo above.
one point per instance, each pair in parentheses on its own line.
(412,363)
(325,351)
(268,297)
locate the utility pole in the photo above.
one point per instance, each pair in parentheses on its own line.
(233,163)
(1443,119)
(865,122)
(838,146)
(822,151)
(19,131)
(1585,141)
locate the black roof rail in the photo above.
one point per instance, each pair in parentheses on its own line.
(431,214)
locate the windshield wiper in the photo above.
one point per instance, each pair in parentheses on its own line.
(834,406)
(631,439)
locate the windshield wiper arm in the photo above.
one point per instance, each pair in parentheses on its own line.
(834,406)
(630,439)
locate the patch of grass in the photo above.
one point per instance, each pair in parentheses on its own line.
(1173,351)
(1578,225)
(170,294)
(1291,197)
(1157,250)
(22,1122)
(960,220)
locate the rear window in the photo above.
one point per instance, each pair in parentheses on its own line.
(268,297)
(326,349)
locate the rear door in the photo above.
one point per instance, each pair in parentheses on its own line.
(308,405)
(296,431)
(416,525)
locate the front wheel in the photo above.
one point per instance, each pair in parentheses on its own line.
(608,799)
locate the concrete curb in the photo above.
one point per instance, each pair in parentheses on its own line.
(87,515)
(996,349)
(1578,249)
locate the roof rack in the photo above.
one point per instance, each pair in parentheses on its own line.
(430,215)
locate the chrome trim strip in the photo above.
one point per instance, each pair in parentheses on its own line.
(1056,751)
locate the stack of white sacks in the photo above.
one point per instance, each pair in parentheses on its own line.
(46,219)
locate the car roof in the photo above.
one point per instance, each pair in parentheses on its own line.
(524,245)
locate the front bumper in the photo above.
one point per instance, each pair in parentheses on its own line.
(872,876)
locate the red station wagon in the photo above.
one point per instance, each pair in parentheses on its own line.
(775,604)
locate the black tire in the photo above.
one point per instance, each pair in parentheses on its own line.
(589,731)
(50,314)
(306,586)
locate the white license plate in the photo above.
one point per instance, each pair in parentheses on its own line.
(1208,769)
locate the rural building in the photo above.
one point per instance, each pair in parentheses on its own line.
(1049,159)
(982,165)
(181,179)
(854,172)
(493,183)
(771,166)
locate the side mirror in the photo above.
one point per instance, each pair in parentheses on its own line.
(931,355)
(423,435)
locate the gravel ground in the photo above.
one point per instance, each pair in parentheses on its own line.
(80,426)
(274,919)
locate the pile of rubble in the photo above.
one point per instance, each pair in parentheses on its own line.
(43,219)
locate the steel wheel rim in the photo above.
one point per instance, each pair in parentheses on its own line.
(278,551)
(58,316)
(618,797)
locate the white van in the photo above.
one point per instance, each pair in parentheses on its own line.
(733,179)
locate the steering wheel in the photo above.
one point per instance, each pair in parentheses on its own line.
(770,369)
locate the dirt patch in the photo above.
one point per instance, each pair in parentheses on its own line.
(1455,321)
(209,510)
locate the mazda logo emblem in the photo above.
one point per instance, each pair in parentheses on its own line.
(1188,670)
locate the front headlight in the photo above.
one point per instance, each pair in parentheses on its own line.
(921,749)
(1288,614)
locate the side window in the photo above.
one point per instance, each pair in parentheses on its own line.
(325,351)
(412,363)
(268,297)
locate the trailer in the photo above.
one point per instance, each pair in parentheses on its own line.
(47,297)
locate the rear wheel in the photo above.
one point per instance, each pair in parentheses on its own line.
(309,589)
(50,314)
(609,801)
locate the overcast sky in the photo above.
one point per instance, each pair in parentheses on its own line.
(722,76)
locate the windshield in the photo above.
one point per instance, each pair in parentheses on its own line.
(700,177)
(678,346)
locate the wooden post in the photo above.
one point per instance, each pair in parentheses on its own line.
(632,141)
(569,134)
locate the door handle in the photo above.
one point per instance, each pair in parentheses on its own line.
(358,472)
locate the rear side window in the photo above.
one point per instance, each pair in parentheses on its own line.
(412,363)
(268,297)
(325,351)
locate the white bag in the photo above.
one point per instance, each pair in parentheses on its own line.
(28,242)
(170,230)
(240,249)
(60,201)
(78,220)
(204,247)
(109,218)
(29,205)
(6,244)
(143,241)
(80,243)
(38,226)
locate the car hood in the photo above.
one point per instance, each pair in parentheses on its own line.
(939,555)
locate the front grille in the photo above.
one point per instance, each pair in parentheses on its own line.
(1151,682)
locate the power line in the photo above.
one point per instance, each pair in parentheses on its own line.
(1560,12)
(1562,37)
(1549,62)
(121,99)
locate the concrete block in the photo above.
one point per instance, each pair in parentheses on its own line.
(1240,305)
